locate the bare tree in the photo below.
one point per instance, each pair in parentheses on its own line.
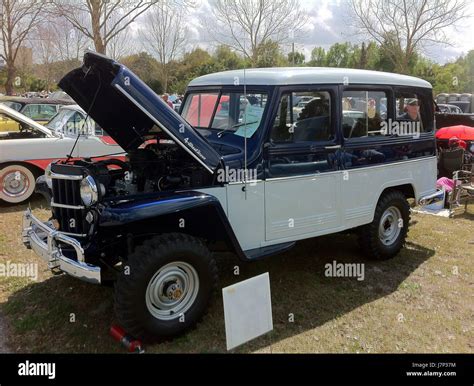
(122,45)
(165,34)
(17,19)
(247,24)
(45,47)
(403,26)
(101,20)
(69,43)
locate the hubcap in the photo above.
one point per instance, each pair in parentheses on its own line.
(172,290)
(15,183)
(390,225)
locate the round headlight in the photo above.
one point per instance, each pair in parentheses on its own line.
(89,192)
(47,176)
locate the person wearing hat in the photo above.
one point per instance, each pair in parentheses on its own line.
(411,110)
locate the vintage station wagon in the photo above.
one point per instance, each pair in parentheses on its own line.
(257,160)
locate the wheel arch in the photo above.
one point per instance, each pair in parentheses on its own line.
(36,170)
(205,219)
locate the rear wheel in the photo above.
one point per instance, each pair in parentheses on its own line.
(168,287)
(17,183)
(384,237)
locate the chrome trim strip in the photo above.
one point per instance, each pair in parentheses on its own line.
(78,207)
(163,128)
(66,177)
(352,169)
(74,234)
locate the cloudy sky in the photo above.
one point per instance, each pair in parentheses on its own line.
(327,25)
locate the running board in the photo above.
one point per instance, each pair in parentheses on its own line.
(260,253)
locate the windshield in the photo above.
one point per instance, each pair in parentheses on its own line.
(231,113)
(71,123)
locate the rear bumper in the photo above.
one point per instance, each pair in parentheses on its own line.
(43,239)
(432,198)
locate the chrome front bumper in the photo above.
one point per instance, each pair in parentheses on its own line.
(42,238)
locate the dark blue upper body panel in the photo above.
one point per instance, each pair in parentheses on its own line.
(153,205)
(128,110)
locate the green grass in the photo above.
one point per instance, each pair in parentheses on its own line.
(420,301)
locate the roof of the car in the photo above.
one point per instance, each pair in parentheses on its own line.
(280,76)
(74,107)
(36,100)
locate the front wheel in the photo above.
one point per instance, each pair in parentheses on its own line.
(17,183)
(383,238)
(166,286)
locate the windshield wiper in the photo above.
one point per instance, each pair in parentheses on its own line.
(229,129)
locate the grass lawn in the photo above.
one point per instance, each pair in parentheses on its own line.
(420,301)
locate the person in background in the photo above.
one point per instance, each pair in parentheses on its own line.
(167,100)
(411,110)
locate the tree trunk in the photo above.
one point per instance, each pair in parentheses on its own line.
(99,42)
(11,72)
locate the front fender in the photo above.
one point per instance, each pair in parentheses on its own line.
(195,213)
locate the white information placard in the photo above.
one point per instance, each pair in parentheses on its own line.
(247,310)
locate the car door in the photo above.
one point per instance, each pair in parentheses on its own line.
(302,182)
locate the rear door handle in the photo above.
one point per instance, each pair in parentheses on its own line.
(332,147)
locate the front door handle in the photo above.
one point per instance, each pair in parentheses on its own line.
(332,147)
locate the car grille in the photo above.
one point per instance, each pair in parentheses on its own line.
(66,204)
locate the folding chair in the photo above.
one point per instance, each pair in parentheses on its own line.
(463,187)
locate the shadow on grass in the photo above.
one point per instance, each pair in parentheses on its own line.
(40,313)
(36,201)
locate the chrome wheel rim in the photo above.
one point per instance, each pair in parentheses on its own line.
(172,290)
(15,183)
(389,226)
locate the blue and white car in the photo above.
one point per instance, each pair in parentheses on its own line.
(254,186)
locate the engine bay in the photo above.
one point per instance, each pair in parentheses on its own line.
(161,165)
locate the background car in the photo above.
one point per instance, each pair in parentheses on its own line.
(26,153)
(445,108)
(40,110)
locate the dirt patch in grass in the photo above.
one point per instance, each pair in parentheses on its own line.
(420,301)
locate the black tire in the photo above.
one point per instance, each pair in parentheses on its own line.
(146,265)
(369,238)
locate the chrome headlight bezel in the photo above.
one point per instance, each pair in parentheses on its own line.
(89,191)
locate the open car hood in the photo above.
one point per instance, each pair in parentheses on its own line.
(128,110)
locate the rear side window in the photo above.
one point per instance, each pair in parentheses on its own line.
(414,110)
(364,113)
(303,117)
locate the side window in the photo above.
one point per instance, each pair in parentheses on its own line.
(363,113)
(39,112)
(46,112)
(303,117)
(74,125)
(410,111)
(30,111)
